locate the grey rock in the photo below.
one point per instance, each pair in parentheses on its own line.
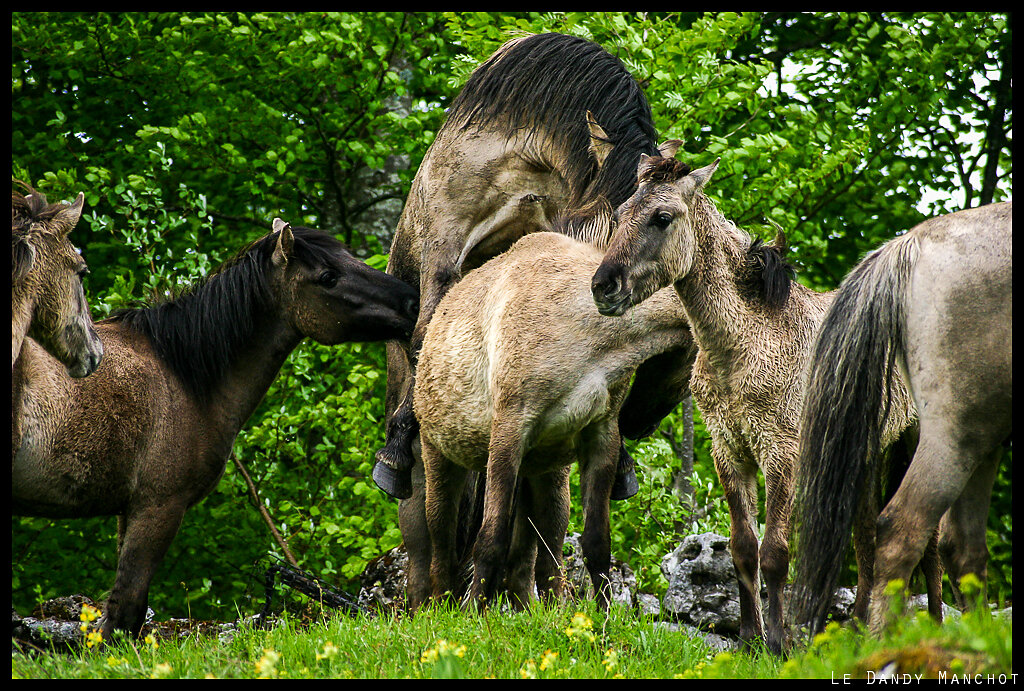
(702,587)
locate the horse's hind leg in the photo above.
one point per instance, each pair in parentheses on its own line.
(143,538)
(774,552)
(505,453)
(740,487)
(962,530)
(934,481)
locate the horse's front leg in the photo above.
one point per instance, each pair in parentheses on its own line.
(598,456)
(412,519)
(143,538)
(739,483)
(444,482)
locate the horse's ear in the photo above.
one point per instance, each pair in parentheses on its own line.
(701,176)
(668,149)
(68,217)
(23,255)
(600,144)
(645,165)
(285,242)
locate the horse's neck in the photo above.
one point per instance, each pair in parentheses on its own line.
(252,373)
(719,316)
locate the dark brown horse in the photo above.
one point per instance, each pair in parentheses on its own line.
(47,300)
(148,434)
(516,151)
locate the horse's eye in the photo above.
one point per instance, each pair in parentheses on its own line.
(661,220)
(327,279)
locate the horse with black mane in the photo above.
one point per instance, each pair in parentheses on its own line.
(148,434)
(548,123)
(754,326)
(546,126)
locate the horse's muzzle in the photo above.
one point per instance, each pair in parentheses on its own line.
(610,294)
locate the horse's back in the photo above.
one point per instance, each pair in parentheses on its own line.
(80,444)
(959,329)
(521,333)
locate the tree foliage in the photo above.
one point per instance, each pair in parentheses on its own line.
(188,132)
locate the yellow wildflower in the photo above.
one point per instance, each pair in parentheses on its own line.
(89,613)
(267,665)
(611,659)
(529,670)
(330,650)
(161,670)
(93,638)
(548,659)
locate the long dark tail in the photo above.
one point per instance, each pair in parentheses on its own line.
(847,402)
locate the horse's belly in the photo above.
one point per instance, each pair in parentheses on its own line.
(588,401)
(42,485)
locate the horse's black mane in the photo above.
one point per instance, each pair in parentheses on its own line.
(766,274)
(664,169)
(198,332)
(549,82)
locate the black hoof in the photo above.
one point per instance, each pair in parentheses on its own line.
(625,486)
(397,483)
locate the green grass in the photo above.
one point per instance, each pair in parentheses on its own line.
(565,641)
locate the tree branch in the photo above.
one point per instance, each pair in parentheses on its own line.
(278,538)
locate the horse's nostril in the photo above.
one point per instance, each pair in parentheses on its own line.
(604,285)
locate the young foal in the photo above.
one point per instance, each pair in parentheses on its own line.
(47,300)
(149,433)
(519,377)
(754,328)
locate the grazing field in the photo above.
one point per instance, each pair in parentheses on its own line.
(570,641)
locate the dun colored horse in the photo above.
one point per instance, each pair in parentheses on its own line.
(516,151)
(47,300)
(148,434)
(754,327)
(519,378)
(933,306)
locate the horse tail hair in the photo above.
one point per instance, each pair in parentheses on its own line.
(850,374)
